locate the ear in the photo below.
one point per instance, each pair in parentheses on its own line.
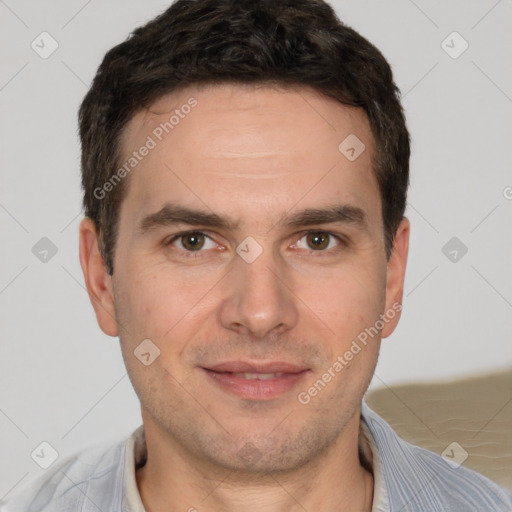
(97,280)
(395,277)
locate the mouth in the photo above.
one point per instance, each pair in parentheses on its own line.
(255,381)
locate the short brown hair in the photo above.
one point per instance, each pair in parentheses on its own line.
(284,42)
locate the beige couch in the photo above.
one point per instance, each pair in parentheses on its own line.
(474,412)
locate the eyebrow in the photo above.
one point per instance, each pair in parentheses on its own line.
(343,214)
(170,214)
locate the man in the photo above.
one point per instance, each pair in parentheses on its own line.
(245,168)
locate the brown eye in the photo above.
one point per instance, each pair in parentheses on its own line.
(192,241)
(318,241)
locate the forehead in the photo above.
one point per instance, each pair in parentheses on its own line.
(252,147)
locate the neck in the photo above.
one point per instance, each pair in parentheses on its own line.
(339,479)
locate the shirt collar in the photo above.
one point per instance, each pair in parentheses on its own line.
(135,456)
(380,493)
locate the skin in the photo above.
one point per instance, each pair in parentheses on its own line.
(255,155)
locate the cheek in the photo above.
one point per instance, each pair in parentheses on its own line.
(163,305)
(345,303)
(156,307)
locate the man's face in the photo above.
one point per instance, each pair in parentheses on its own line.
(268,262)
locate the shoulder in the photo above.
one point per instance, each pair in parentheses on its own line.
(89,479)
(455,487)
(417,479)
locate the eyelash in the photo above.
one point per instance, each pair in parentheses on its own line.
(316,253)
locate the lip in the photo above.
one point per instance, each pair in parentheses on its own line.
(224,376)
(255,367)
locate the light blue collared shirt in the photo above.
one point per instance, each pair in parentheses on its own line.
(407,478)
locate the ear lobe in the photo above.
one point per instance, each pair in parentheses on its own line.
(97,280)
(395,277)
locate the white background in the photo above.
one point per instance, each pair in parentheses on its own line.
(63,381)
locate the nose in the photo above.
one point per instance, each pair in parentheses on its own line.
(258,300)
